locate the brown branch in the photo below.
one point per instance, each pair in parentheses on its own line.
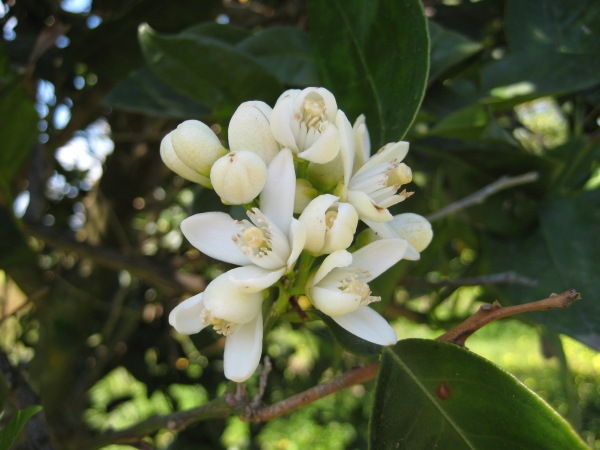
(157,273)
(488,313)
(499,278)
(480,196)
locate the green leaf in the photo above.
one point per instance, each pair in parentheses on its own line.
(348,341)
(432,394)
(18,126)
(142,92)
(563,253)
(210,71)
(374,57)
(14,251)
(9,434)
(448,48)
(286,52)
(226,33)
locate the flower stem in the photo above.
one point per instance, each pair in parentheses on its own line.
(306,262)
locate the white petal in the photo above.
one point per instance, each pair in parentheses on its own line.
(330,103)
(243,349)
(297,239)
(383,230)
(249,129)
(341,258)
(253,278)
(414,228)
(367,324)
(185,317)
(277,197)
(363,135)
(346,144)
(395,151)
(211,234)
(379,256)
(172,161)
(412,254)
(341,234)
(325,148)
(281,118)
(334,302)
(366,208)
(225,300)
(313,218)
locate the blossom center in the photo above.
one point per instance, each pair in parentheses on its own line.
(254,237)
(219,325)
(313,112)
(359,288)
(330,217)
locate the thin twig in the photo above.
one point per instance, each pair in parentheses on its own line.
(262,384)
(480,196)
(498,278)
(488,313)
(297,308)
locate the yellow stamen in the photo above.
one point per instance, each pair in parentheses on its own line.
(254,237)
(330,217)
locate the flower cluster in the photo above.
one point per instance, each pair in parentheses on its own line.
(305,176)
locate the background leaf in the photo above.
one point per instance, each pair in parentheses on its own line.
(374,57)
(433,394)
(10,432)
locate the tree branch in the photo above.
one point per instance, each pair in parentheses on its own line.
(480,196)
(488,313)
(498,278)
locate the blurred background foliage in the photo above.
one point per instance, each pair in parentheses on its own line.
(91,254)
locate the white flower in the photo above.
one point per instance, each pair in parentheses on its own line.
(329,225)
(238,177)
(362,142)
(249,129)
(197,146)
(339,288)
(304,122)
(266,246)
(172,161)
(414,228)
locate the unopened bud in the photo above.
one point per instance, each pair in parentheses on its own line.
(197,146)
(249,129)
(305,193)
(238,177)
(172,161)
(414,228)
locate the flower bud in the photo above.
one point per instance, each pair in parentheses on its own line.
(305,193)
(362,142)
(238,177)
(172,161)
(329,225)
(326,176)
(197,146)
(249,129)
(414,228)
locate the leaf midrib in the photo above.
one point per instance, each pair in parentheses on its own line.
(430,397)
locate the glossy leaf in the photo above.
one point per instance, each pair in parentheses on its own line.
(374,57)
(563,253)
(348,341)
(286,52)
(9,434)
(208,70)
(433,394)
(447,49)
(144,93)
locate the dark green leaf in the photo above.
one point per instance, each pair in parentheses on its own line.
(447,49)
(144,93)
(18,126)
(14,251)
(10,432)
(286,52)
(374,57)
(208,70)
(433,394)
(563,253)
(226,33)
(348,341)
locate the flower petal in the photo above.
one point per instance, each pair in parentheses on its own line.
(226,300)
(378,256)
(385,231)
(277,197)
(211,234)
(367,324)
(341,234)
(243,349)
(326,147)
(367,208)
(185,317)
(297,239)
(253,278)
(172,161)
(281,118)
(346,144)
(313,218)
(341,258)
(334,302)
(389,152)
